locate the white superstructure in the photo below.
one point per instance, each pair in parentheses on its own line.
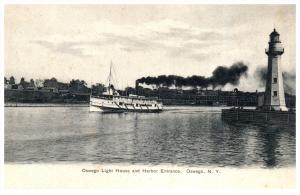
(132,103)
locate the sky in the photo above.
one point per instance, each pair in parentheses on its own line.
(79,41)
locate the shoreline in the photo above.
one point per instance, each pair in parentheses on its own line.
(16,104)
(87,105)
(45,105)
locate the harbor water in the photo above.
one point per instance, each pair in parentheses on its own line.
(190,136)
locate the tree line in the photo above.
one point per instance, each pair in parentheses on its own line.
(75,85)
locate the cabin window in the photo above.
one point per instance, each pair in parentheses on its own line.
(274,80)
(120,103)
(274,93)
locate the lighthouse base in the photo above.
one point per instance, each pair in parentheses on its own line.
(275,108)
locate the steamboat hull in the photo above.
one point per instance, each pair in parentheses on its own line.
(112,106)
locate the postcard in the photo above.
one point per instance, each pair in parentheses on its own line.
(140,96)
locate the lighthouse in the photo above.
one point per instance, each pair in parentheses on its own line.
(274,94)
(271,107)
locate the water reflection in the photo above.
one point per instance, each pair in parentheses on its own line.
(273,145)
(183,136)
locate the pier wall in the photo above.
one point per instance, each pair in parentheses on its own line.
(259,116)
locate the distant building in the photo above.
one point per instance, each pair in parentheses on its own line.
(20,87)
(32,88)
(7,86)
(260,100)
(54,86)
(50,89)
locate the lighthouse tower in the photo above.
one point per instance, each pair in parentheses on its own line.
(274,94)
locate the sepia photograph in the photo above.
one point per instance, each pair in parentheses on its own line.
(125,94)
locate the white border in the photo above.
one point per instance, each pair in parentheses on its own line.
(149,2)
(2,96)
(148,191)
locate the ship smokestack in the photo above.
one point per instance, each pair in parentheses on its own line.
(136,86)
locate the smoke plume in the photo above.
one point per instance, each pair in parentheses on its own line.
(220,77)
(289,79)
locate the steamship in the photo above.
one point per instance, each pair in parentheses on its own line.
(111,101)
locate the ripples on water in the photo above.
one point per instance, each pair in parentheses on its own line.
(180,135)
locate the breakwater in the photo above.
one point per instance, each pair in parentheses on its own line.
(259,116)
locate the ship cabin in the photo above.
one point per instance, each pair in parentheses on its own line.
(131,99)
(137,100)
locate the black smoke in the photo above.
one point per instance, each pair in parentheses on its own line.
(289,82)
(261,74)
(289,79)
(220,77)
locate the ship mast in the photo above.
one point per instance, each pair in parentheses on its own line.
(109,77)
